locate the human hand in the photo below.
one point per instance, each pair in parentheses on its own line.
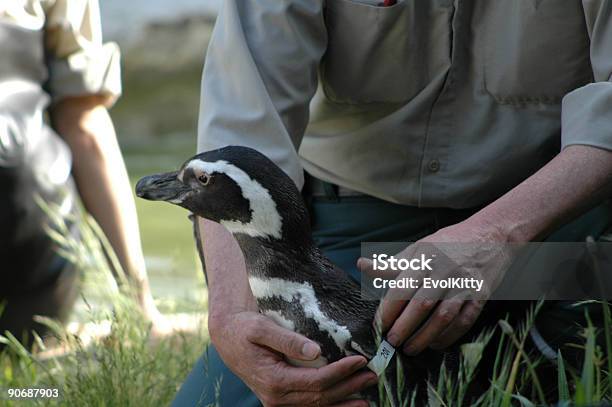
(418,318)
(254,348)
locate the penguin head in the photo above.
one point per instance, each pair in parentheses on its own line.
(237,187)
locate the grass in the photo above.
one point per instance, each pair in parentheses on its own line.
(127,368)
(515,379)
(124,369)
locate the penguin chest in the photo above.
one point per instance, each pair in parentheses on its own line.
(295,306)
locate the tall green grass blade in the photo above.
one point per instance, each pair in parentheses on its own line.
(563,387)
(607,315)
(524,401)
(520,353)
(587,379)
(580,398)
(511,381)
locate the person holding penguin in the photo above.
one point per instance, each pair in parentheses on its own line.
(470,121)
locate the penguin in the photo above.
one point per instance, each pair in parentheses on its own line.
(293,283)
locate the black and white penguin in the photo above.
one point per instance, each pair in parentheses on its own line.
(292,281)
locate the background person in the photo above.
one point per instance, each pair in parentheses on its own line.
(444,121)
(53,61)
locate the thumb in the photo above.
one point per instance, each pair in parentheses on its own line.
(365,265)
(289,343)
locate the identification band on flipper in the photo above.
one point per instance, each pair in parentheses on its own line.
(383,357)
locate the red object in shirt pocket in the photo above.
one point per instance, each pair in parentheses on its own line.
(388,3)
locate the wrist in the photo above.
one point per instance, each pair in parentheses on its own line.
(217,323)
(493,227)
(220,311)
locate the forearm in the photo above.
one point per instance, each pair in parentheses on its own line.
(102,179)
(228,286)
(578,178)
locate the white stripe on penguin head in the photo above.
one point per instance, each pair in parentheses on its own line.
(265,219)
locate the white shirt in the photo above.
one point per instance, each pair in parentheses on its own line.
(78,61)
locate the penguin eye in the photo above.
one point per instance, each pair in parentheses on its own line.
(204,179)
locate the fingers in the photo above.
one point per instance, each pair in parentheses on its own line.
(387,313)
(409,320)
(326,376)
(441,319)
(323,386)
(347,388)
(366,266)
(392,306)
(265,332)
(461,325)
(335,393)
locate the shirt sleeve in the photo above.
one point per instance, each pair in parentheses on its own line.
(259,77)
(79,63)
(587,111)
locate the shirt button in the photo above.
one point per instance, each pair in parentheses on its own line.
(434,166)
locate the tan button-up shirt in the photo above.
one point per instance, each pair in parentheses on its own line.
(436,103)
(78,62)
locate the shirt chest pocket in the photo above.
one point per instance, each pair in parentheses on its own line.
(384,54)
(535,51)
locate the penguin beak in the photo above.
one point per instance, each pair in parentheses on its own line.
(162,187)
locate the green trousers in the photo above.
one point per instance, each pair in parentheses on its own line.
(339,227)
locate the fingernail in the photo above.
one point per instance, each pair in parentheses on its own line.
(311,350)
(362,363)
(393,340)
